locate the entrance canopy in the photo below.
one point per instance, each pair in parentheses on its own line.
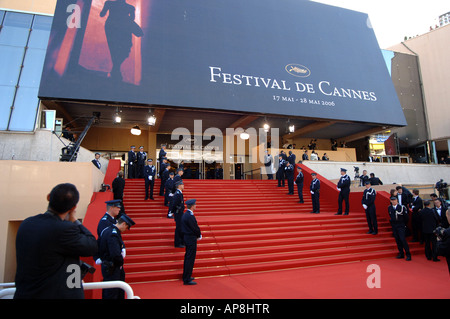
(227,62)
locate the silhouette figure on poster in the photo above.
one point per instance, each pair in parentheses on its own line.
(119,28)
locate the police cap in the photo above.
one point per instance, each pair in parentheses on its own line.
(114,203)
(127,220)
(191,202)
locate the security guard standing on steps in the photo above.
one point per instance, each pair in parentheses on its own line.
(343,187)
(132,159)
(314,189)
(289,172)
(149,178)
(368,202)
(398,218)
(299,183)
(176,208)
(112,254)
(191,233)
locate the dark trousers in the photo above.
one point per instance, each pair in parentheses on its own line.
(399,231)
(131,170)
(300,192)
(162,186)
(149,184)
(430,245)
(269,172)
(290,180)
(189,257)
(416,224)
(178,240)
(315,201)
(371,216)
(116,273)
(343,196)
(280,177)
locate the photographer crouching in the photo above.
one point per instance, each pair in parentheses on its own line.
(443,240)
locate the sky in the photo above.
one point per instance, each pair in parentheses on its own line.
(392,20)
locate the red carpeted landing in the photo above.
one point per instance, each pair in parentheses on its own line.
(258,242)
(417,279)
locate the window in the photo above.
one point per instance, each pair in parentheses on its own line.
(23,44)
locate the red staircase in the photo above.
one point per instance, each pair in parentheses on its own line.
(247,226)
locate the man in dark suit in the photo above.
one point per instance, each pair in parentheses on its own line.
(177,208)
(132,162)
(440,210)
(368,202)
(149,178)
(404,196)
(118,186)
(314,189)
(398,218)
(289,172)
(299,183)
(169,188)
(375,180)
(344,192)
(163,165)
(96,161)
(191,233)
(141,157)
(49,245)
(162,153)
(111,251)
(291,158)
(416,207)
(429,222)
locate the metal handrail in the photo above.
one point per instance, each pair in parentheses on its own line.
(9,292)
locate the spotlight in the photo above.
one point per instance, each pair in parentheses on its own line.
(117,119)
(266,127)
(244,135)
(136,130)
(151,120)
(291,128)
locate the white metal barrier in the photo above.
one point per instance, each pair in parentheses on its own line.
(8,288)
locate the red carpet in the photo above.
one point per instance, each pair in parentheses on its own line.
(258,242)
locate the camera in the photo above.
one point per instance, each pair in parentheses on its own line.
(439,232)
(85,269)
(356,169)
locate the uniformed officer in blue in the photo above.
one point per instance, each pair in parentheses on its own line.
(289,173)
(111,215)
(314,189)
(112,253)
(343,187)
(177,208)
(399,218)
(132,159)
(299,183)
(149,178)
(368,202)
(191,233)
(280,170)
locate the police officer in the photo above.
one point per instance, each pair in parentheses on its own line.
(268,164)
(344,192)
(289,172)
(111,215)
(368,202)
(163,168)
(141,157)
(112,253)
(191,233)
(149,178)
(299,183)
(169,188)
(132,162)
(162,153)
(176,208)
(398,218)
(280,171)
(314,189)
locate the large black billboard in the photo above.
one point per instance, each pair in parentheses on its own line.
(288,57)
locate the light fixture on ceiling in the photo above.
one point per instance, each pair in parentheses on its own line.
(136,130)
(244,135)
(117,117)
(291,128)
(151,120)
